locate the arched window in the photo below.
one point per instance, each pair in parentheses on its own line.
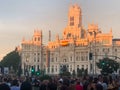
(64,60)
(35,39)
(38,38)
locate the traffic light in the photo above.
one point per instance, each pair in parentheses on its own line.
(103,63)
(38,73)
(90,56)
(32,70)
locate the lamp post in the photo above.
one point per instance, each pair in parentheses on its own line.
(27,66)
(90,58)
(95,53)
(94,60)
(74,50)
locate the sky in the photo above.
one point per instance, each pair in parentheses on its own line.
(19,18)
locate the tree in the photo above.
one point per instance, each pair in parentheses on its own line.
(73,73)
(107,66)
(12,59)
(64,71)
(81,72)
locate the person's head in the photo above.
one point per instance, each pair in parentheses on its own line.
(99,87)
(105,80)
(4,87)
(26,86)
(95,80)
(100,78)
(5,79)
(15,82)
(72,82)
(66,82)
(78,82)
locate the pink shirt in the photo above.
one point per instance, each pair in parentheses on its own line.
(78,87)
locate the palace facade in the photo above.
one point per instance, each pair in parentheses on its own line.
(72,50)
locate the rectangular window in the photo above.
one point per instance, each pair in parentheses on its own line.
(82,58)
(77,58)
(52,59)
(71,58)
(71,23)
(38,59)
(71,18)
(56,59)
(115,50)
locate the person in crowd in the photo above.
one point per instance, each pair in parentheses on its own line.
(99,87)
(52,85)
(100,79)
(85,82)
(110,83)
(59,84)
(26,86)
(99,84)
(72,85)
(78,86)
(65,84)
(118,82)
(4,87)
(44,85)
(91,84)
(15,85)
(105,83)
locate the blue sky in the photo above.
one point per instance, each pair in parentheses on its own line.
(19,18)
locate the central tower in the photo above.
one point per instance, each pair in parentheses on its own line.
(74,16)
(74,26)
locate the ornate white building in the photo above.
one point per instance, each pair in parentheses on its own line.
(72,50)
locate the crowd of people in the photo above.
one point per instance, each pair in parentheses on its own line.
(61,83)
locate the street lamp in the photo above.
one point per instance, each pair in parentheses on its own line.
(91,54)
(95,52)
(27,66)
(74,38)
